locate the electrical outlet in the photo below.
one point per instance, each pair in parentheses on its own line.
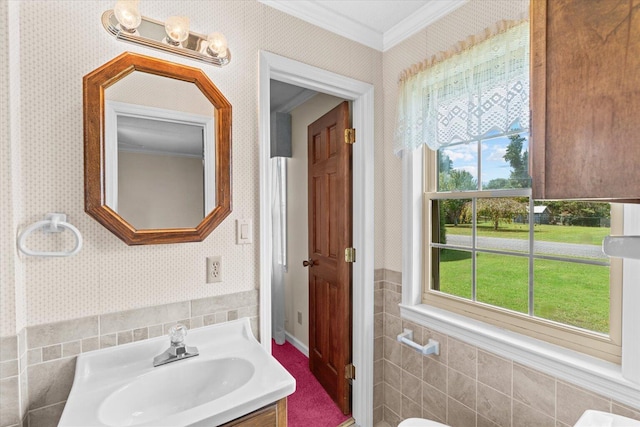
(300,318)
(214,269)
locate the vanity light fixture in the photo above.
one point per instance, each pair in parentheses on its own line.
(126,24)
(127,14)
(177,28)
(217,45)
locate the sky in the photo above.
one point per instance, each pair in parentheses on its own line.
(465,157)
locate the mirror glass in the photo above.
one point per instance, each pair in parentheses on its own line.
(159,152)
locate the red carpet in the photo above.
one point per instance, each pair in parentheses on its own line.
(309,405)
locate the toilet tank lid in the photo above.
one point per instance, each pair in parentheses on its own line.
(420,422)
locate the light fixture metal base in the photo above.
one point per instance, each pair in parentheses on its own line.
(151,33)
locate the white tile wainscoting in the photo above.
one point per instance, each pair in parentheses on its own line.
(38,365)
(465,386)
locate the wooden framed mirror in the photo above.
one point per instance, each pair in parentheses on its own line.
(157,150)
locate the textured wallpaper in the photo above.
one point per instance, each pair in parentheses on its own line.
(7,242)
(465,21)
(47,172)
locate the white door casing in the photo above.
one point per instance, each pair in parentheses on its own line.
(286,70)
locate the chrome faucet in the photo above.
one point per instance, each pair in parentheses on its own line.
(178,350)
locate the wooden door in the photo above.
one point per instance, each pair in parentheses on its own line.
(329,234)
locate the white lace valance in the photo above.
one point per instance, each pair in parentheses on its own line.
(479,89)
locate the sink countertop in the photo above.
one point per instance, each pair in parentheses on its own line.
(102,374)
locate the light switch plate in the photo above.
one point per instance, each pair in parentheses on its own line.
(244,232)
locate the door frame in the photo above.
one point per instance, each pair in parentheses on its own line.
(286,70)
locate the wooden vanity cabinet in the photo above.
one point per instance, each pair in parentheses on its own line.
(585,99)
(274,415)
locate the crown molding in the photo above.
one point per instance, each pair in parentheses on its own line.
(311,12)
(426,15)
(329,20)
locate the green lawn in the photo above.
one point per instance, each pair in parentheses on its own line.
(570,293)
(548,233)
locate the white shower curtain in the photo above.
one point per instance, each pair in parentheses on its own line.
(279,247)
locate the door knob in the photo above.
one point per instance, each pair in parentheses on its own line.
(308,263)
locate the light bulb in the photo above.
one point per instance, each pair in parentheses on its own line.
(177,28)
(217,45)
(127,14)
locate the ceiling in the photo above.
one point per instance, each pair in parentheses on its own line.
(141,135)
(286,97)
(379,24)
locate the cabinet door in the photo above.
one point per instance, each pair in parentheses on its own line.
(585,99)
(274,415)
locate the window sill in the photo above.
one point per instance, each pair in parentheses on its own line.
(598,376)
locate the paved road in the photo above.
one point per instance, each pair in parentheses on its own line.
(547,248)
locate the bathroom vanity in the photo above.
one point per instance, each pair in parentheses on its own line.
(232,381)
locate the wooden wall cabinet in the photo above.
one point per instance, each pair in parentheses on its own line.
(274,415)
(585,99)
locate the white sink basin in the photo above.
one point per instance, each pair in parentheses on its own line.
(592,418)
(175,389)
(232,376)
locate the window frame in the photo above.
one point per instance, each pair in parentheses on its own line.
(617,381)
(603,346)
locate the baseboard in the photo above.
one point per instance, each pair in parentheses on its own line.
(297,343)
(349,422)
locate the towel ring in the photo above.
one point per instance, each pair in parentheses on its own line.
(53,223)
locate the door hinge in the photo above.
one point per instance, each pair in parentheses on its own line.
(350,255)
(349,136)
(350,372)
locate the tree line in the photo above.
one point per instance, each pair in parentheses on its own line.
(506,209)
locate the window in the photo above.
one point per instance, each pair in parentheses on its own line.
(489,250)
(497,255)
